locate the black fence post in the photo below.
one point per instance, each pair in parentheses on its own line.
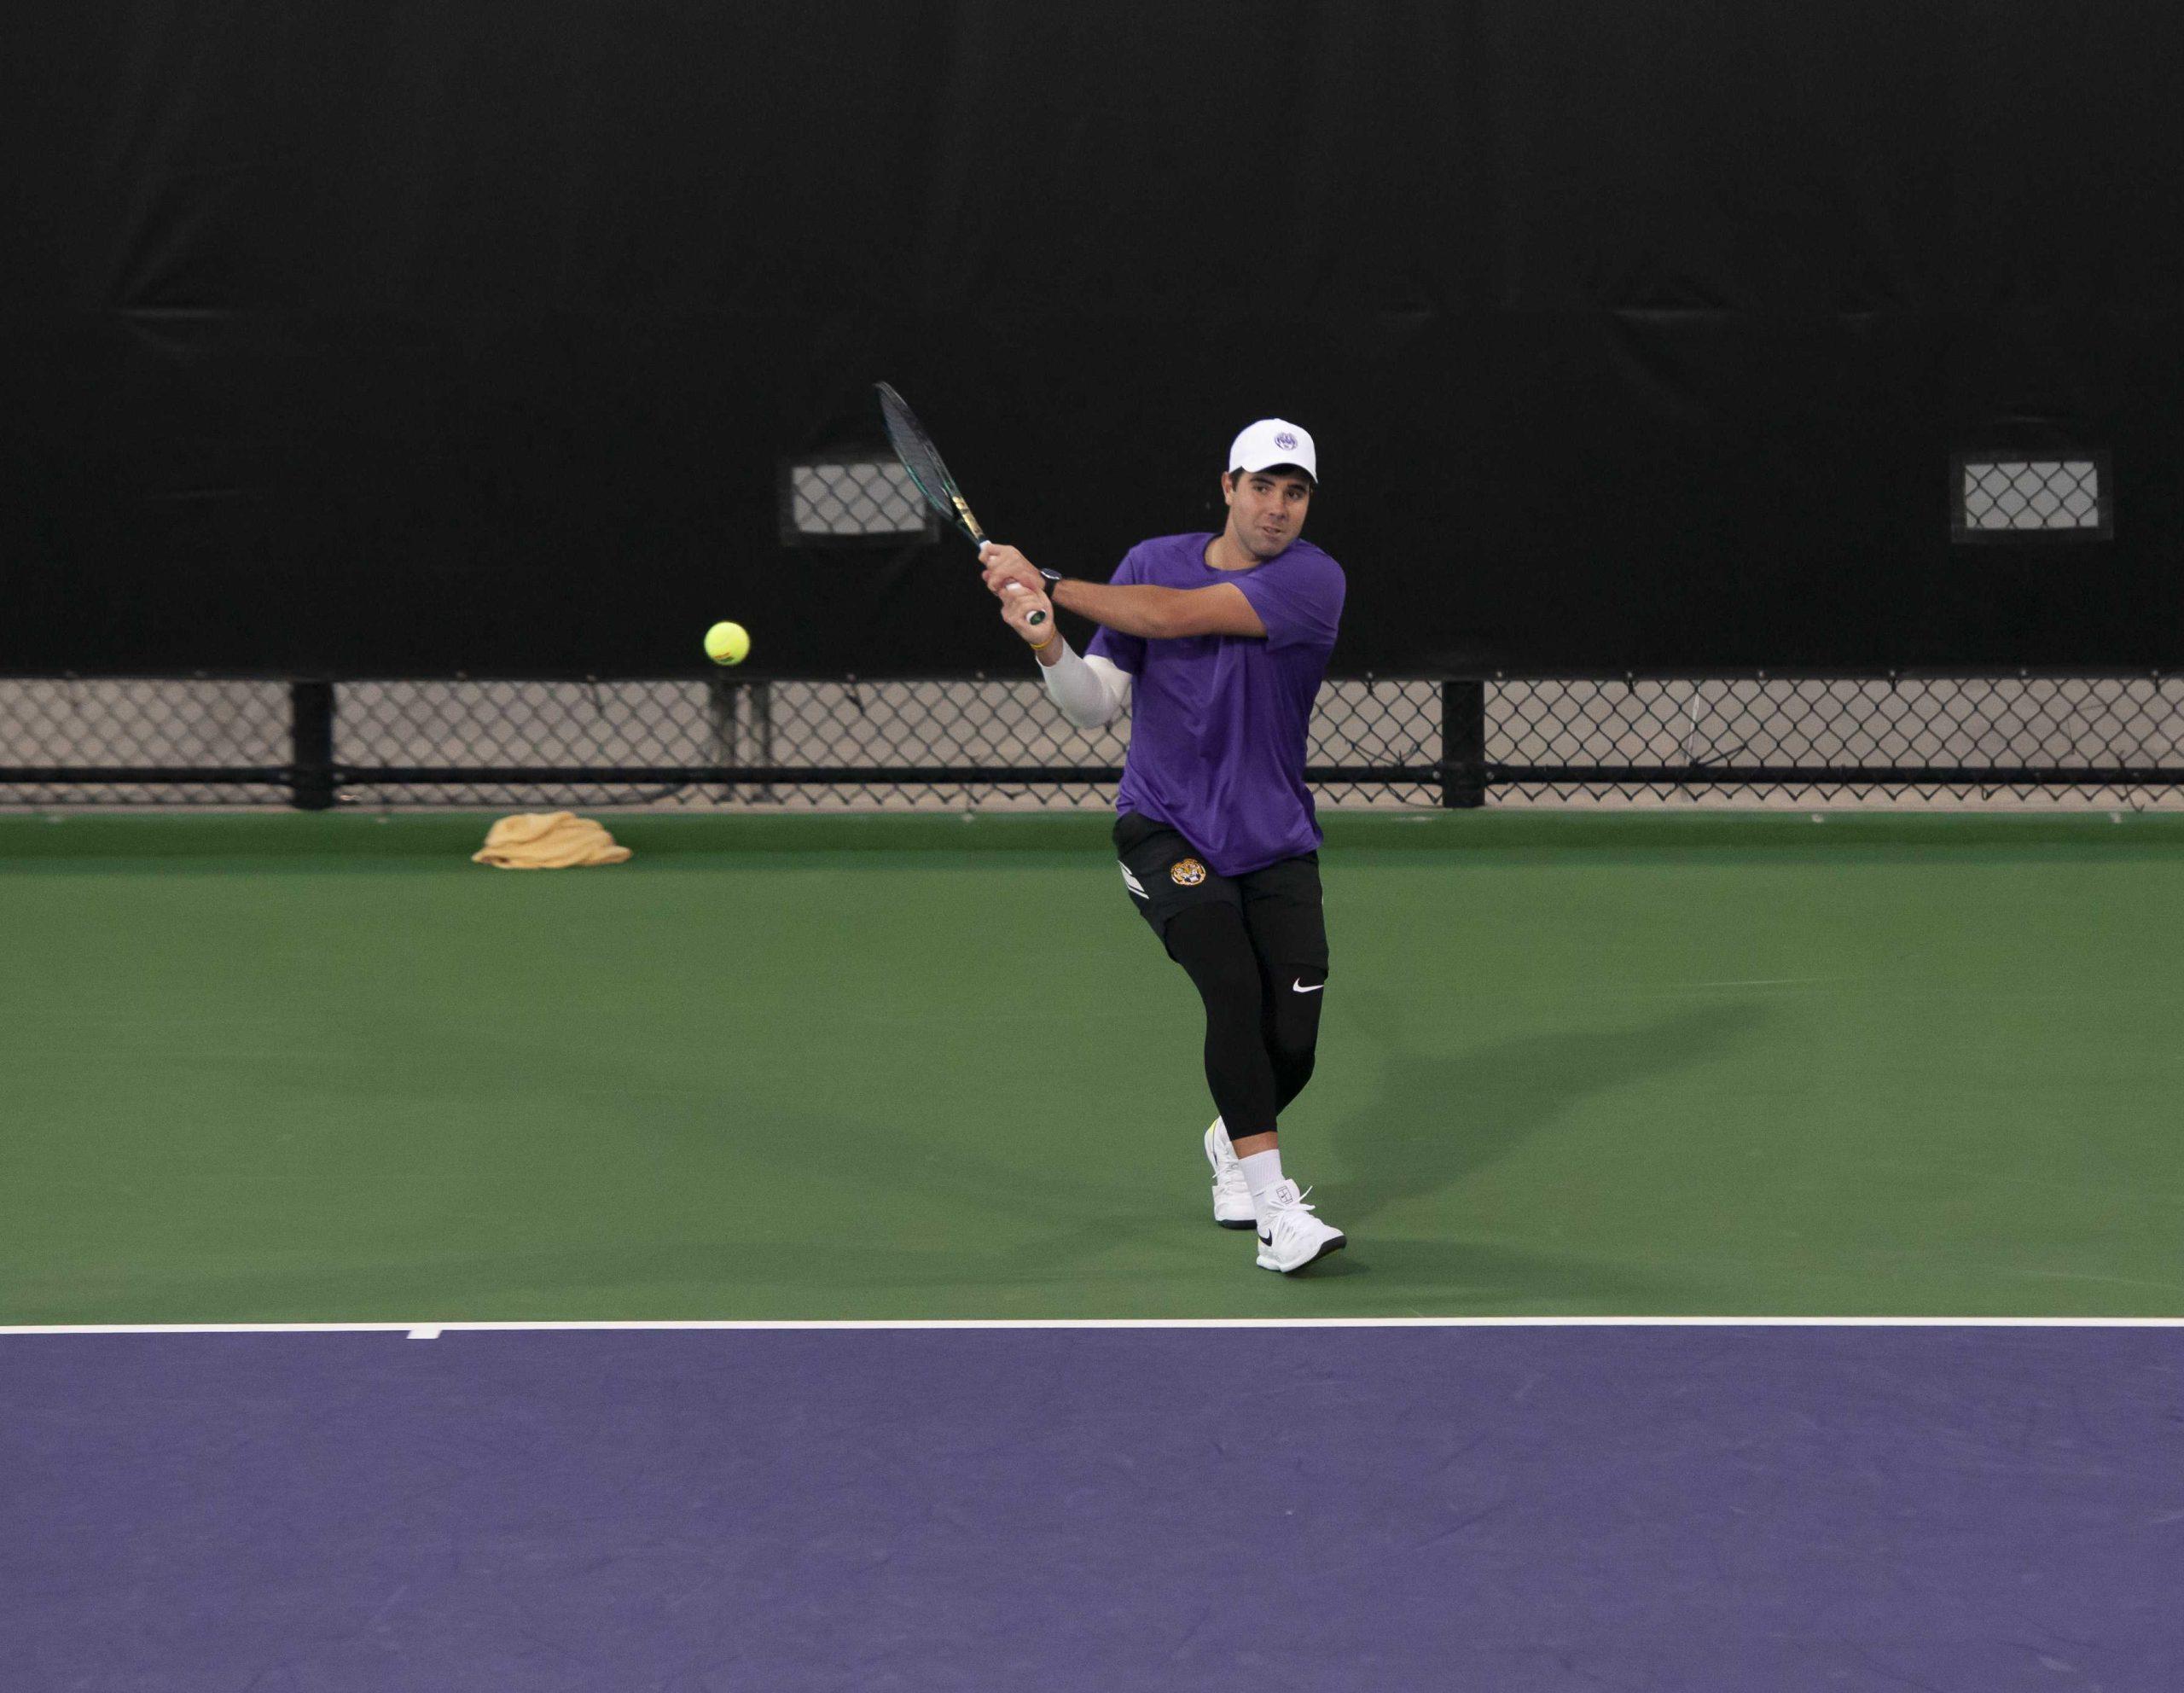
(1463,743)
(310,743)
(724,738)
(760,696)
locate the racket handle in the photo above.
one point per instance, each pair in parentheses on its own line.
(1037,617)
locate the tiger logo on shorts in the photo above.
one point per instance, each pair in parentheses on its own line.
(1187,872)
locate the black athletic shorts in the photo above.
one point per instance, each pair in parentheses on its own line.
(1280,905)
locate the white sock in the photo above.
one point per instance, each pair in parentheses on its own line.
(1263,1170)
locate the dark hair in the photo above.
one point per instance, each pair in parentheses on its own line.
(1310,480)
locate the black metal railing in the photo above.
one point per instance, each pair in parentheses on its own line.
(980,740)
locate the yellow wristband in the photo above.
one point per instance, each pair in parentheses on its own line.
(1041,646)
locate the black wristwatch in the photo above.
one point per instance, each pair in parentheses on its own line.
(1050,580)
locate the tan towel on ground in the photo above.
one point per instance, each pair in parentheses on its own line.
(547,841)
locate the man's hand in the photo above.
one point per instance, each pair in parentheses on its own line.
(1018,603)
(1004,565)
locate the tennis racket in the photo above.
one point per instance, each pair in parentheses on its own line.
(929,470)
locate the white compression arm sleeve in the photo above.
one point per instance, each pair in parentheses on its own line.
(1091,692)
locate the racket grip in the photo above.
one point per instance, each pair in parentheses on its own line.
(1037,617)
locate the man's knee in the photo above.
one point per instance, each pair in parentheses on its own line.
(1295,995)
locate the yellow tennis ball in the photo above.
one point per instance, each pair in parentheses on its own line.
(728,643)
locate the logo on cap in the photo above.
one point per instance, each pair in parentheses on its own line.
(1286,441)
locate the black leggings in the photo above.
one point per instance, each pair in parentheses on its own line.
(1262,1008)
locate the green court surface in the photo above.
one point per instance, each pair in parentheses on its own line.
(323,1068)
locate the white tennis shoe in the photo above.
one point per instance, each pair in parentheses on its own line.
(1232,1193)
(1292,1237)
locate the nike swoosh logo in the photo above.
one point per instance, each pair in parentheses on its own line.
(1299,985)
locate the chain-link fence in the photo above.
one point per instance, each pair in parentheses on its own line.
(2009,499)
(2097,741)
(726,742)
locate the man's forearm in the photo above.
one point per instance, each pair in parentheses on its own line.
(1129,608)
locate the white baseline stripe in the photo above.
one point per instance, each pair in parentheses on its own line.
(435,1329)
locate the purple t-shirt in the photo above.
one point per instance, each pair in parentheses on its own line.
(1217,721)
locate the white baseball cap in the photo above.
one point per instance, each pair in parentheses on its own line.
(1272,441)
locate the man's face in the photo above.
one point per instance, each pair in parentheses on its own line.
(1266,508)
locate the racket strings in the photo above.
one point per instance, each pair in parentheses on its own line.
(916,451)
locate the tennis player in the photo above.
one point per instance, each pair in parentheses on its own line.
(1218,645)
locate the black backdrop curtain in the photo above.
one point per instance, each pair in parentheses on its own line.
(412,339)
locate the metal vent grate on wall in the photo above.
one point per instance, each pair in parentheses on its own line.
(851,500)
(1998,498)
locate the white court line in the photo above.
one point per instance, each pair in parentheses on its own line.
(423,1331)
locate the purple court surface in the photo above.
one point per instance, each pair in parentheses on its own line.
(1506,1508)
